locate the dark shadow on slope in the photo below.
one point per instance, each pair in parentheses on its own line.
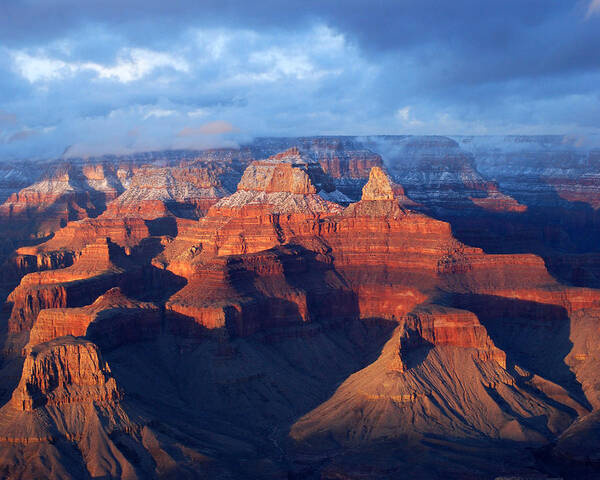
(11,360)
(415,356)
(142,279)
(566,235)
(535,336)
(162,226)
(291,285)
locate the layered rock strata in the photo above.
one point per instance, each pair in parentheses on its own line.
(62,371)
(91,275)
(112,320)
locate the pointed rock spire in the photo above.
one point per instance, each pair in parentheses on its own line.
(379,186)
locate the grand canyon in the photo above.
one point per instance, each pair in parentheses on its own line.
(299,240)
(326,307)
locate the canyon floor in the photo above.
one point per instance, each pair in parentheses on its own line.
(386,307)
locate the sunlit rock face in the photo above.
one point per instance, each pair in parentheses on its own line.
(266,312)
(379,186)
(285,183)
(67,370)
(111,320)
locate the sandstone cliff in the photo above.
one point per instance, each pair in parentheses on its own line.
(64,370)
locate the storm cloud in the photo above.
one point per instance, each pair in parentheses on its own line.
(81,78)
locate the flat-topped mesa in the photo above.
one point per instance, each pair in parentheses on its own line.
(438,325)
(287,171)
(286,183)
(95,258)
(113,319)
(63,371)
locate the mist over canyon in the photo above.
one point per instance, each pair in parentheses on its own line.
(304,307)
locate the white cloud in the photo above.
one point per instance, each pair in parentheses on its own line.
(159,113)
(132,64)
(40,68)
(403,113)
(135,63)
(406,118)
(278,63)
(198,112)
(214,43)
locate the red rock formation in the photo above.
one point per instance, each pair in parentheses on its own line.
(283,184)
(249,293)
(342,158)
(437,325)
(126,232)
(431,390)
(157,192)
(68,192)
(65,370)
(376,244)
(112,320)
(379,186)
(277,263)
(91,275)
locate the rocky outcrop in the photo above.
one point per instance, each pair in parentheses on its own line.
(125,232)
(278,288)
(344,159)
(379,186)
(444,389)
(580,442)
(67,192)
(286,183)
(65,370)
(437,173)
(544,170)
(371,322)
(91,275)
(157,192)
(112,320)
(378,245)
(437,325)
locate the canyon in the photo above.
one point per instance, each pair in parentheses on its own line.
(316,307)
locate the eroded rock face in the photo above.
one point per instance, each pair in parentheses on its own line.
(156,192)
(437,325)
(384,402)
(286,183)
(112,320)
(379,186)
(580,442)
(280,287)
(65,370)
(344,159)
(370,322)
(285,172)
(435,171)
(66,192)
(91,275)
(377,245)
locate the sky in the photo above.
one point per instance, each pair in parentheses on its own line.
(94,77)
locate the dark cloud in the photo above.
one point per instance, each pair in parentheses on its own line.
(87,74)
